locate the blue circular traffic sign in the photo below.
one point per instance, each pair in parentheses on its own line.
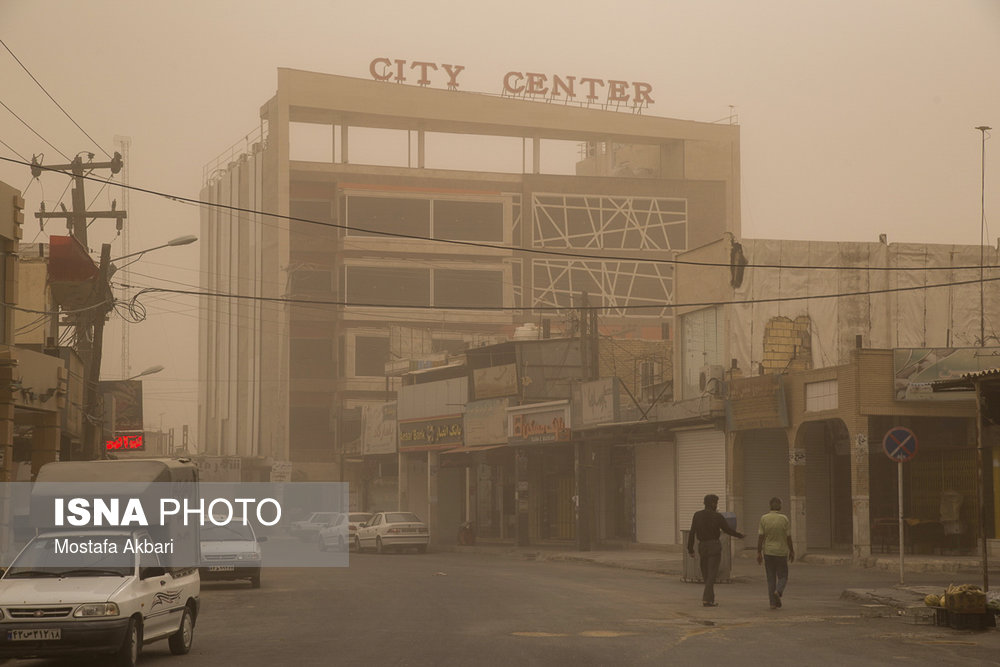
(900,444)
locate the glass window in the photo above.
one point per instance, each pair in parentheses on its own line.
(468,288)
(396,215)
(370,356)
(388,285)
(468,220)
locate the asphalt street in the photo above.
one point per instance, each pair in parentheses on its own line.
(449,608)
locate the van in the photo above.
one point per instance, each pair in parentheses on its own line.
(94,596)
(81,591)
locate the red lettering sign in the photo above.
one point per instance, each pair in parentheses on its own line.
(125,442)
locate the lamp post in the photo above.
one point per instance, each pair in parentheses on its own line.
(982,243)
(180,240)
(149,371)
(95,318)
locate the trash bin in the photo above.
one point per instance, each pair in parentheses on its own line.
(691,572)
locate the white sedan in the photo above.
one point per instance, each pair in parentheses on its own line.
(335,536)
(392,530)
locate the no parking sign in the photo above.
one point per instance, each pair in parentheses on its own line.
(900,444)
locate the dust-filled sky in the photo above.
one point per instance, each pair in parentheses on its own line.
(857,116)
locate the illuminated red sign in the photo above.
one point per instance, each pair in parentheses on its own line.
(126,443)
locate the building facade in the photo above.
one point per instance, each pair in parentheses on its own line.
(348,261)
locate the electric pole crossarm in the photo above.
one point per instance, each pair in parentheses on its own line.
(45,215)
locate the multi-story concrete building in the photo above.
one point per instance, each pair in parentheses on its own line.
(342,256)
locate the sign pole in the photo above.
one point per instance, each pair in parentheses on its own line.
(899,469)
(900,445)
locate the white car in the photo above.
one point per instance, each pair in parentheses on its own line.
(333,536)
(392,530)
(105,600)
(308,528)
(231,551)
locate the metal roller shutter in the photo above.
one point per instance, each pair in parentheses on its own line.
(654,494)
(818,488)
(701,469)
(765,475)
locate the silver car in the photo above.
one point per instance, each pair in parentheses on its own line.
(392,530)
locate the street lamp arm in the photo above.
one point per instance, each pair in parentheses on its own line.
(180,240)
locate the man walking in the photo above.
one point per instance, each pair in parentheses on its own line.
(707,525)
(775,550)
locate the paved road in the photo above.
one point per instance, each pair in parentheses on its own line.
(475,609)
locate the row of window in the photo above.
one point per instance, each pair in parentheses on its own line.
(314,357)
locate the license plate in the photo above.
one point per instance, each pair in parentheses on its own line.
(34,635)
(221,568)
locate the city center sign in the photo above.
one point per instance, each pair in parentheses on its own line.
(551,87)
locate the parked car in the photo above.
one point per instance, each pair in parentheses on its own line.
(354,521)
(96,598)
(231,551)
(333,536)
(392,530)
(308,528)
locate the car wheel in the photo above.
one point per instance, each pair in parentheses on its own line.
(128,654)
(379,549)
(357,544)
(255,581)
(180,641)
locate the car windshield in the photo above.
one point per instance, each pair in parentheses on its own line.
(74,556)
(322,517)
(401,517)
(359,517)
(231,532)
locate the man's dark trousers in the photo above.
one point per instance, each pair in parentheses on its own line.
(710,553)
(776,568)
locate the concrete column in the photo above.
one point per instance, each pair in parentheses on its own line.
(861,491)
(402,482)
(432,494)
(44,441)
(797,492)
(734,486)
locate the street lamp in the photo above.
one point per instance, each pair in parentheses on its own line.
(180,240)
(982,245)
(149,371)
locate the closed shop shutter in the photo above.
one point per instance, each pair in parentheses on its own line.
(701,469)
(654,494)
(765,475)
(818,493)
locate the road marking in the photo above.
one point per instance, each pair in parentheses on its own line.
(538,634)
(606,633)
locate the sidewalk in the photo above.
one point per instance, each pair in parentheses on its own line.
(875,585)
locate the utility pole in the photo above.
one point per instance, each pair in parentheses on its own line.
(93,406)
(982,245)
(76,220)
(89,323)
(582,459)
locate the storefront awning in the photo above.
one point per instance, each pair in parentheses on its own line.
(468,450)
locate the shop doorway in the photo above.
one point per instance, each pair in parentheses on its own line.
(829,511)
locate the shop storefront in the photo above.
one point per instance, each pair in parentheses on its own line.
(545,470)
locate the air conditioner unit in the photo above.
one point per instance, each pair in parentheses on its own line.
(710,378)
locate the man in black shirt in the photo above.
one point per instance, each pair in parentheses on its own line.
(707,525)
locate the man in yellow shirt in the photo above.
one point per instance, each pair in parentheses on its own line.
(775,550)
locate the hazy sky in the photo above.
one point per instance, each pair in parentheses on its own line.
(857,116)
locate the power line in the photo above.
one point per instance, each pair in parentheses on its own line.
(699,304)
(52,98)
(25,123)
(495,247)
